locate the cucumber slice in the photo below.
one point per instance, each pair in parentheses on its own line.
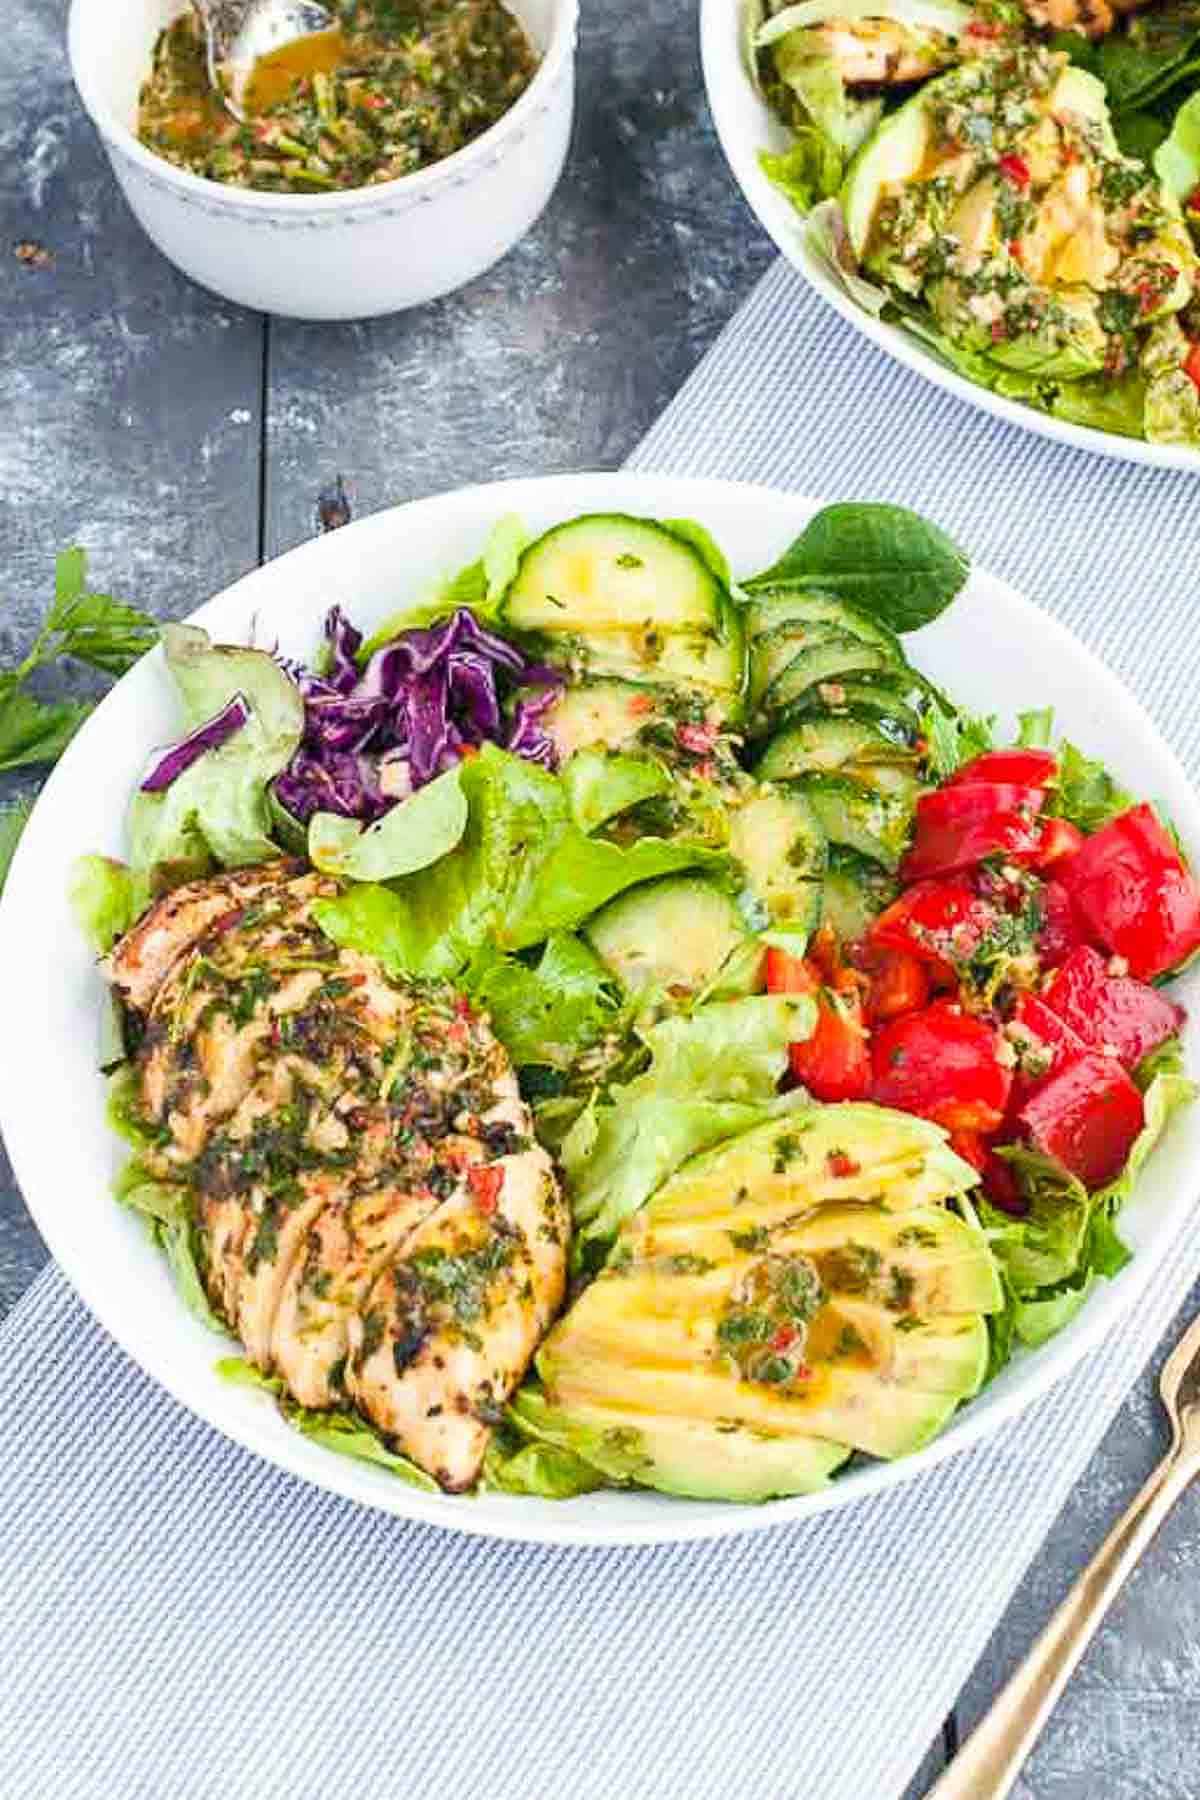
(855,892)
(796,606)
(881,700)
(771,653)
(889,779)
(678,933)
(831,661)
(826,742)
(713,660)
(776,838)
(607,714)
(877,825)
(612,572)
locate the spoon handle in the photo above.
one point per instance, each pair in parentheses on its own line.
(993,1756)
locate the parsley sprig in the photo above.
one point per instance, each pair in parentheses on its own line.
(95,629)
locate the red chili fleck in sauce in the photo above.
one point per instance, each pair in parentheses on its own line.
(841,1164)
(1015,169)
(699,739)
(485,1181)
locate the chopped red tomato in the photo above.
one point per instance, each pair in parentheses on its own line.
(1191,362)
(998,1181)
(1015,169)
(958,826)
(1042,1040)
(941,922)
(1060,839)
(485,1181)
(1017,768)
(943,1064)
(834,1063)
(1086,1116)
(899,982)
(1109,1010)
(1060,932)
(1134,895)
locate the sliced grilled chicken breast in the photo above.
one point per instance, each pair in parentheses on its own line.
(359,1159)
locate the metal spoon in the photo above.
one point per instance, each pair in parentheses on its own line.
(239,32)
(991,1760)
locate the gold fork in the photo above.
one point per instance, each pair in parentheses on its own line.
(993,1756)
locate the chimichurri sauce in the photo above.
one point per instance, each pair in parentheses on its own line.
(395,87)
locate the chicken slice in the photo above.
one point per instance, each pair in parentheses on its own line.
(138,965)
(449,1327)
(1093,18)
(346,1246)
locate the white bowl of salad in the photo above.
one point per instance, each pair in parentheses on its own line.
(1005,204)
(376,166)
(620,1024)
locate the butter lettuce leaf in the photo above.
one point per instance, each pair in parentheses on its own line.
(103,898)
(710,1076)
(217,810)
(549,1012)
(344,1433)
(418,831)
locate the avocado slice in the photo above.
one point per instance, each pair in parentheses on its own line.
(695,1458)
(997,196)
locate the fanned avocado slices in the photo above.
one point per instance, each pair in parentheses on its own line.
(790,1297)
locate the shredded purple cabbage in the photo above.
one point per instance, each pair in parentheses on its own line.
(425,697)
(209,736)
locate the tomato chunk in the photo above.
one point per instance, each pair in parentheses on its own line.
(1086,1116)
(1021,768)
(958,826)
(899,982)
(1134,895)
(1042,1040)
(1061,931)
(1111,1012)
(943,1064)
(1060,839)
(835,1062)
(942,922)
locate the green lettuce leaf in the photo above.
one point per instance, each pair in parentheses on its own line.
(14,816)
(344,1433)
(1177,160)
(418,831)
(711,1075)
(1085,793)
(551,1012)
(103,898)
(522,871)
(1035,729)
(550,1471)
(1045,1246)
(887,561)
(954,739)
(480,586)
(217,809)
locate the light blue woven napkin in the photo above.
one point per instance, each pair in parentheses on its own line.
(180,1622)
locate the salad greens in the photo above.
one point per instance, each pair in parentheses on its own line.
(729,820)
(973,269)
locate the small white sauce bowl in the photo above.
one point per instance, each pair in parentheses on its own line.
(351,255)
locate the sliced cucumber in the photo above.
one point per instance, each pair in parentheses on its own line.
(882,700)
(797,607)
(856,890)
(776,838)
(604,714)
(889,779)
(710,659)
(770,654)
(850,813)
(829,742)
(612,572)
(833,660)
(678,933)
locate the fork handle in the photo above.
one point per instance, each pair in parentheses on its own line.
(992,1758)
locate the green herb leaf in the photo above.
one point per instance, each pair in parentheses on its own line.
(13,819)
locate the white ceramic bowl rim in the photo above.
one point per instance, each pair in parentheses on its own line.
(733,103)
(46,1057)
(420,184)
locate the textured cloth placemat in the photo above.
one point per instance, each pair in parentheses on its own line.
(179,1620)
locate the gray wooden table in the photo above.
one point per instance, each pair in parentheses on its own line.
(182,440)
